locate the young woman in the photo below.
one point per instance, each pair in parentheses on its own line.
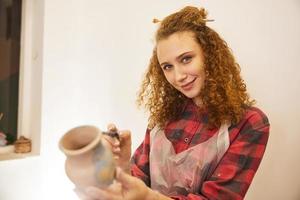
(205,140)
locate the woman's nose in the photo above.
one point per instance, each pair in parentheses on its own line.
(180,74)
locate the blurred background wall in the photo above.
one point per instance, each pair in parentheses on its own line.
(95,53)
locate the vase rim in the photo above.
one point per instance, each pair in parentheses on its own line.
(84,149)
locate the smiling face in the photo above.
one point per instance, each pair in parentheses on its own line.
(182,61)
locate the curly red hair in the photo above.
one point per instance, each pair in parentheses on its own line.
(224,94)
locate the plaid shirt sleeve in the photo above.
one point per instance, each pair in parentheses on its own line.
(233,175)
(140,161)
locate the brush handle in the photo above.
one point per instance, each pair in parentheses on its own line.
(112,134)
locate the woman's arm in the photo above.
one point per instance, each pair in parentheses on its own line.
(140,161)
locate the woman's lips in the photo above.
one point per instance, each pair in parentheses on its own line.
(189,85)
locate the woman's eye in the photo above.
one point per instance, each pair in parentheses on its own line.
(166,67)
(186,59)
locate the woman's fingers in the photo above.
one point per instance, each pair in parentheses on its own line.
(115,187)
(125,179)
(112,127)
(116,150)
(121,146)
(125,138)
(98,194)
(113,142)
(125,135)
(81,194)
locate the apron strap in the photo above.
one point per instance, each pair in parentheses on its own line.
(223,140)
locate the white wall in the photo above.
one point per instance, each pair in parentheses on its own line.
(95,53)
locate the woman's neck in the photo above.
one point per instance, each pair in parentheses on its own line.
(198,101)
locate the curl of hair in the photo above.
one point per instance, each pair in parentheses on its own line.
(224,94)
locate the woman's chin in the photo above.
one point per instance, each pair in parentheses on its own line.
(190,94)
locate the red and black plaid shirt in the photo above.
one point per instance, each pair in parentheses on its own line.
(233,175)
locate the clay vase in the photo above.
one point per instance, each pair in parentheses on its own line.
(88,161)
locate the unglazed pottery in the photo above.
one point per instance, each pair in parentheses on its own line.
(88,161)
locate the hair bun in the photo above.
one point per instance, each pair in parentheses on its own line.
(195,15)
(203,13)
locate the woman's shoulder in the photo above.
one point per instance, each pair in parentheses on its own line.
(255,114)
(253,120)
(253,127)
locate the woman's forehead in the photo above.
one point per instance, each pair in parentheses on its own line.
(176,44)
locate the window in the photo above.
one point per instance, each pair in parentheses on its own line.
(10,29)
(21,30)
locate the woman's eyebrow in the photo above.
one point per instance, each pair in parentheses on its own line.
(183,54)
(178,57)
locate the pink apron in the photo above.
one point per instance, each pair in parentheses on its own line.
(183,173)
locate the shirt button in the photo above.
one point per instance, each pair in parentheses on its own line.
(186,140)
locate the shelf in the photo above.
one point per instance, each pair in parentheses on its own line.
(7,153)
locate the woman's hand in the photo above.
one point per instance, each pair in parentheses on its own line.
(114,188)
(120,148)
(127,187)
